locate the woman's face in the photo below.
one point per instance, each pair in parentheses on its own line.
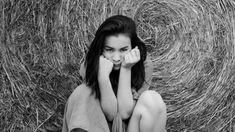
(116,46)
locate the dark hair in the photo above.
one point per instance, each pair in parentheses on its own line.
(112,26)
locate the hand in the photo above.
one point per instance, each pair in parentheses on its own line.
(131,58)
(105,67)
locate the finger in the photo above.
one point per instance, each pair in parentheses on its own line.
(108,60)
(127,57)
(136,48)
(101,57)
(135,53)
(104,58)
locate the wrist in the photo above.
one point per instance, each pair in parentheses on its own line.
(103,77)
(124,68)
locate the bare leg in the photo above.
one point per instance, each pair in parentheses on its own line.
(149,115)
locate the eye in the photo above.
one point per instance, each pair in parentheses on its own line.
(108,50)
(123,50)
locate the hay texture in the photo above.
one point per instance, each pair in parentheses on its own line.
(191,42)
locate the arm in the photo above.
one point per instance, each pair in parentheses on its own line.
(108,98)
(124,95)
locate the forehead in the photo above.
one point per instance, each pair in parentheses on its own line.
(118,41)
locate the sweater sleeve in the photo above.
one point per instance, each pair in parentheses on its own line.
(76,115)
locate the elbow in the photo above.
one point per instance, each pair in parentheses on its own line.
(110,111)
(125,110)
(125,114)
(111,116)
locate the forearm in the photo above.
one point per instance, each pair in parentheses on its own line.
(108,98)
(124,95)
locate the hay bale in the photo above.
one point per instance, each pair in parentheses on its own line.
(191,43)
(193,51)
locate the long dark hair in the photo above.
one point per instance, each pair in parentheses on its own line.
(112,26)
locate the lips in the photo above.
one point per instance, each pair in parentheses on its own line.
(116,66)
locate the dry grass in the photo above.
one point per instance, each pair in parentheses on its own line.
(42,44)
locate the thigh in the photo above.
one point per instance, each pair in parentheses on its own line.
(134,122)
(149,114)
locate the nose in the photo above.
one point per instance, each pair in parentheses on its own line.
(117,57)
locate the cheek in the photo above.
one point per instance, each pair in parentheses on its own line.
(123,54)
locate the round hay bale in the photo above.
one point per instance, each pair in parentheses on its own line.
(192,45)
(191,42)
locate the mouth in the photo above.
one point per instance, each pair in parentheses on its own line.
(116,66)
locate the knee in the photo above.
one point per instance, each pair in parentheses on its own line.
(153,102)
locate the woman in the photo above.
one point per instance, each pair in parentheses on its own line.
(115,95)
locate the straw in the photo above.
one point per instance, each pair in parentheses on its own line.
(191,42)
